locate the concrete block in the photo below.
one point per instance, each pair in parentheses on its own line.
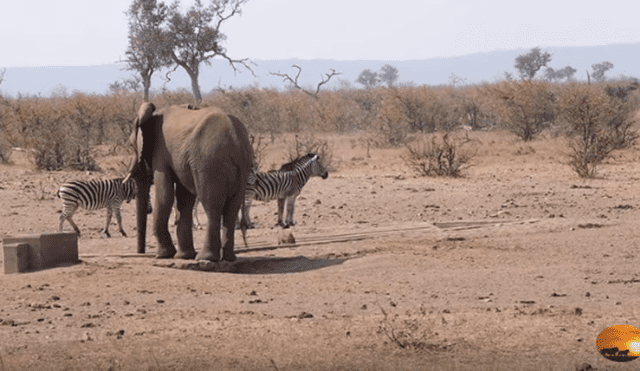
(46,250)
(16,258)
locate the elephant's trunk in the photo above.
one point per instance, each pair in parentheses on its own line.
(142,206)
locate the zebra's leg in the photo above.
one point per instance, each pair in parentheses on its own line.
(119,219)
(185,201)
(281,213)
(67,214)
(248,200)
(105,232)
(196,221)
(176,214)
(75,227)
(291,200)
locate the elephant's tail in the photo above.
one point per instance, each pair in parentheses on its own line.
(243,228)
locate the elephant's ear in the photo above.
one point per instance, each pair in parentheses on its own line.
(144,128)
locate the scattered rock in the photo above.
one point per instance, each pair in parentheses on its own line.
(304,315)
(286,238)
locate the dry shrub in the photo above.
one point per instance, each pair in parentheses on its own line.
(258,145)
(259,109)
(443,156)
(410,332)
(5,151)
(525,107)
(47,127)
(303,145)
(474,107)
(167,98)
(598,123)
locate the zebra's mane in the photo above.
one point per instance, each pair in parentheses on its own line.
(290,166)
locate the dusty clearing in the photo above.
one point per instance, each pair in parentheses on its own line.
(518,265)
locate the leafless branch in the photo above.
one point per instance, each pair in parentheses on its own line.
(2,75)
(294,81)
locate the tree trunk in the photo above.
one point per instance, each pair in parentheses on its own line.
(195,87)
(146,83)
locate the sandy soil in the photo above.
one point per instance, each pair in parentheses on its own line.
(518,265)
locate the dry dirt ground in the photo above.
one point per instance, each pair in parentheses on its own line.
(518,265)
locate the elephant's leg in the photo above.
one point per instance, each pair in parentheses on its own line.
(229,217)
(119,219)
(291,201)
(163,204)
(212,200)
(185,201)
(281,212)
(105,232)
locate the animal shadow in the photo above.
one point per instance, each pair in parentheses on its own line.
(617,355)
(262,265)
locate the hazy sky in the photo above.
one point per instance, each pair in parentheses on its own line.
(90,32)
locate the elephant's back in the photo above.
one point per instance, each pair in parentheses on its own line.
(212,131)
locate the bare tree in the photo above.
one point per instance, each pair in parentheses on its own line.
(146,42)
(599,69)
(368,78)
(388,74)
(2,75)
(194,38)
(456,80)
(131,84)
(294,80)
(529,64)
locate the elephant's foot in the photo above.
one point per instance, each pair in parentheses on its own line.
(229,255)
(165,253)
(208,255)
(187,255)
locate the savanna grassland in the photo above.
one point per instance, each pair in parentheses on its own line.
(516,261)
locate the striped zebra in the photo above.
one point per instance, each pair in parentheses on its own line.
(284,184)
(95,195)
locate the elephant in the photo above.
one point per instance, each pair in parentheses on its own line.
(203,153)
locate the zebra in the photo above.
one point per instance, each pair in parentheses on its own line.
(284,184)
(95,195)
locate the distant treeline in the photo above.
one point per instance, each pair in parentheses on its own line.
(63,129)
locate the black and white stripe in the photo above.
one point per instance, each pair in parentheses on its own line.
(95,195)
(284,185)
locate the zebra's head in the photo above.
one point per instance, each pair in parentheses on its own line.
(309,161)
(130,189)
(317,168)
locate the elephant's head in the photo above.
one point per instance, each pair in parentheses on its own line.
(141,170)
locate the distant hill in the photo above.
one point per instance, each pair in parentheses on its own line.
(475,68)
